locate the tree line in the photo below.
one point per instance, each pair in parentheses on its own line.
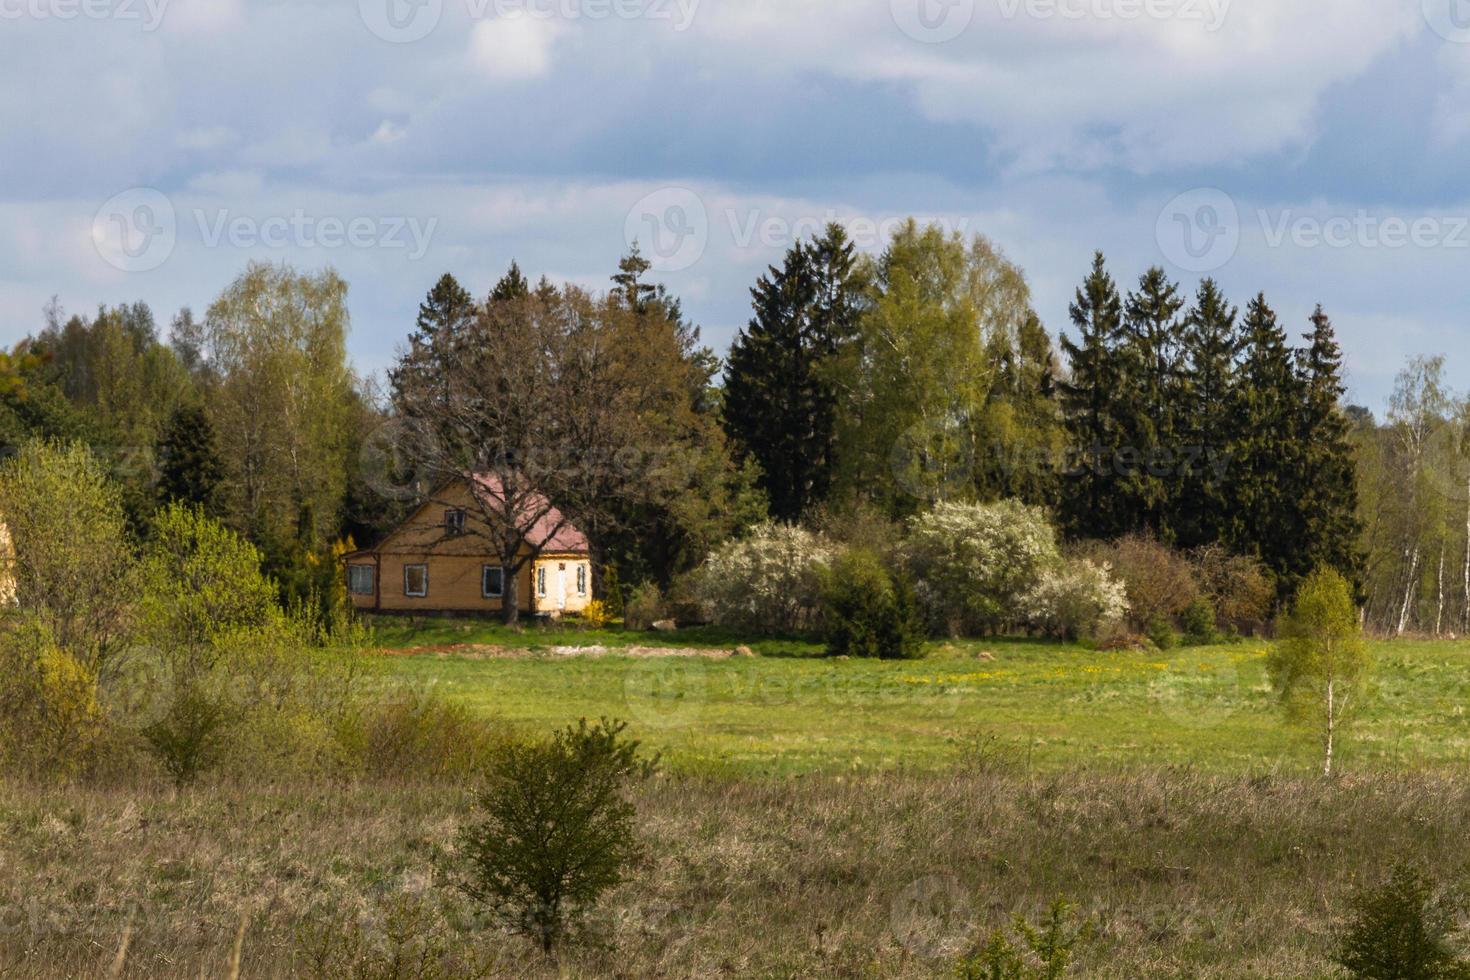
(863,384)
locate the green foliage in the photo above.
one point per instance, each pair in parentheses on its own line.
(193,729)
(645,606)
(50,722)
(1401,930)
(557,830)
(1320,668)
(1161,633)
(870,612)
(189,467)
(72,560)
(780,397)
(1037,952)
(1198,623)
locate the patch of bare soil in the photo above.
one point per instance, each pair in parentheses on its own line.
(487,651)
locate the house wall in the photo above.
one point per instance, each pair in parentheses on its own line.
(454,584)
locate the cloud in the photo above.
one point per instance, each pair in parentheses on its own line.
(513,48)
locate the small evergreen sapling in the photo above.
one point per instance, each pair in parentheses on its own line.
(557,829)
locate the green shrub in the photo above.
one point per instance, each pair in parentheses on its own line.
(557,829)
(419,734)
(1198,623)
(870,612)
(1077,599)
(645,606)
(50,721)
(1400,931)
(1161,634)
(1239,588)
(1042,952)
(194,729)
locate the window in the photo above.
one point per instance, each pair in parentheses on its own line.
(492,581)
(581,580)
(416,580)
(454,523)
(360,579)
(541,580)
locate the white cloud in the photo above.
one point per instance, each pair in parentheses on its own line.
(513,47)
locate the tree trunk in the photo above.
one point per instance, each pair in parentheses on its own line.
(1331,721)
(510,599)
(1465,597)
(1439,606)
(1408,592)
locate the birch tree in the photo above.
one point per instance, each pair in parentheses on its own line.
(1320,668)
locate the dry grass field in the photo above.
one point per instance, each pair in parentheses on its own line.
(889,875)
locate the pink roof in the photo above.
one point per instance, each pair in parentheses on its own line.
(552,532)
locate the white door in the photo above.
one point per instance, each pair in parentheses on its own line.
(561,586)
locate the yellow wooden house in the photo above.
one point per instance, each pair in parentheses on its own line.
(440,560)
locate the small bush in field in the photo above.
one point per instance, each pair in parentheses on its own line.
(869,612)
(1401,930)
(769,582)
(406,939)
(50,721)
(418,734)
(1198,623)
(193,731)
(1161,634)
(557,828)
(596,614)
(1077,599)
(644,607)
(1043,952)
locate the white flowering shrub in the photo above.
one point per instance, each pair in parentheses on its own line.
(769,582)
(976,563)
(1077,599)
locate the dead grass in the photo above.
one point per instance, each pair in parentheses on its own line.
(1185,875)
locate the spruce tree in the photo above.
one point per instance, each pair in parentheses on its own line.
(1327,485)
(189,467)
(1148,405)
(1266,455)
(780,406)
(1212,346)
(512,285)
(1088,493)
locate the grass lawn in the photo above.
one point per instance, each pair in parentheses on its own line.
(1038,705)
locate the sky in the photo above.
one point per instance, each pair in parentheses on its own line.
(1315,150)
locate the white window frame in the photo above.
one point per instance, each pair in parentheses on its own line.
(485,570)
(372,577)
(541,581)
(454,519)
(581,578)
(411,594)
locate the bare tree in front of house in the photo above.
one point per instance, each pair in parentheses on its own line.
(539,405)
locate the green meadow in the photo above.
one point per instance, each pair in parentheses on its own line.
(790,710)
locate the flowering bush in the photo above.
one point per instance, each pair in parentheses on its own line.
(769,582)
(1077,599)
(976,563)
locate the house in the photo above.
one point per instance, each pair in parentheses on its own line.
(441,560)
